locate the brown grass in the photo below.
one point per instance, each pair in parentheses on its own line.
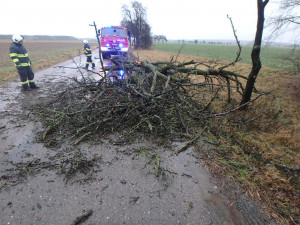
(42,54)
(284,85)
(272,139)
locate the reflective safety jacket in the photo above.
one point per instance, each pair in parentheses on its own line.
(87,50)
(19,55)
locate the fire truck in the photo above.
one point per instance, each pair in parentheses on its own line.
(114,40)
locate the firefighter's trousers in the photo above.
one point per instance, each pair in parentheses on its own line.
(89,61)
(26,76)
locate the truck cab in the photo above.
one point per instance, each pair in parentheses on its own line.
(114,40)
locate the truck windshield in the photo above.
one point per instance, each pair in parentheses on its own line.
(113,32)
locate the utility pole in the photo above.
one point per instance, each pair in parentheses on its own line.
(99,46)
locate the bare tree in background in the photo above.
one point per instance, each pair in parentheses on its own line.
(255,54)
(288,19)
(158,38)
(135,20)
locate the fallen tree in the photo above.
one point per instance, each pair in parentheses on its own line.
(165,99)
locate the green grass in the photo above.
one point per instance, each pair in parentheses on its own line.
(270,56)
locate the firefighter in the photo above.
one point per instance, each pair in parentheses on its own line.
(19,55)
(88,53)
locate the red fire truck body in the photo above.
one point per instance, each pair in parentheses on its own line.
(114,41)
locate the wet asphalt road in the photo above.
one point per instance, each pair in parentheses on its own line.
(124,188)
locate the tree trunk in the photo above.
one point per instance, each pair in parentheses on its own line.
(256,63)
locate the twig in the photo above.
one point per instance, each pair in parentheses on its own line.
(282,166)
(190,142)
(239,107)
(81,138)
(238,54)
(82,218)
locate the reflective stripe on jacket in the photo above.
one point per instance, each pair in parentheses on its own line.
(87,50)
(19,55)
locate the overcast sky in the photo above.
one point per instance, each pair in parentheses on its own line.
(185,19)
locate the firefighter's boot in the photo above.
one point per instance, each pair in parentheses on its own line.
(32,85)
(93,65)
(26,87)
